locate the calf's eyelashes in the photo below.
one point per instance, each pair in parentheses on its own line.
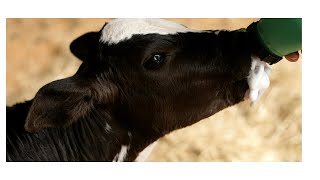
(154,62)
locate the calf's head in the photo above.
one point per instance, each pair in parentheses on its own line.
(154,76)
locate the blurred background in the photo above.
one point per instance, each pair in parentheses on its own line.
(38,53)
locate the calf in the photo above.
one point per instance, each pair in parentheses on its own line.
(139,80)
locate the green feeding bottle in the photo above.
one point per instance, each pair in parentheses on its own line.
(273,38)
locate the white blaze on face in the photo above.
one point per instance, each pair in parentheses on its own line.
(258,79)
(121,29)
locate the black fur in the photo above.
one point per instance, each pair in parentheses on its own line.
(201,74)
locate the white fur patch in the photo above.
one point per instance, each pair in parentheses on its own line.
(121,29)
(217,32)
(121,155)
(143,155)
(108,127)
(258,79)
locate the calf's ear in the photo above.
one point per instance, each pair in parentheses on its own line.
(58,104)
(85,46)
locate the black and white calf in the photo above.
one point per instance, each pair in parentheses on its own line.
(139,80)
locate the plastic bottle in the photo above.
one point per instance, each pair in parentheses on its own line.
(273,38)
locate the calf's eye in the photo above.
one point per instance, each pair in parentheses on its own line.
(154,62)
